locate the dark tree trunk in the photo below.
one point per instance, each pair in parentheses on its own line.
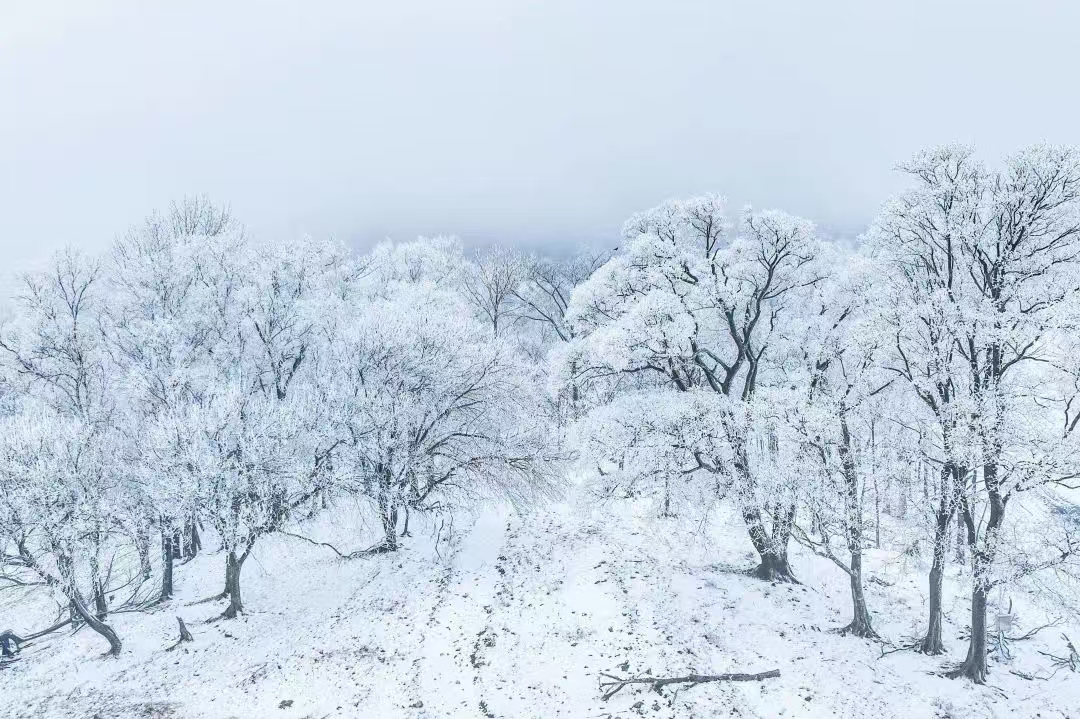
(97,587)
(774,567)
(67,573)
(94,623)
(390,537)
(388,512)
(961,537)
(950,490)
(193,542)
(974,666)
(877,516)
(233,564)
(101,607)
(860,624)
(666,511)
(166,564)
(931,642)
(983,552)
(853,525)
(772,549)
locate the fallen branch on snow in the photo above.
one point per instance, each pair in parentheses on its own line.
(380,548)
(1034,631)
(911,645)
(610,684)
(1070,661)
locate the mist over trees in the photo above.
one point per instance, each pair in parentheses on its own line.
(196,388)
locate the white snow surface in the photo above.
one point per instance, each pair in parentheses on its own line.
(516,616)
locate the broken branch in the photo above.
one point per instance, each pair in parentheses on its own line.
(610,684)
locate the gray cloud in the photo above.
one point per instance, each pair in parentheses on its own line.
(497,120)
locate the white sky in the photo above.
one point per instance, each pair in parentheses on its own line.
(500,120)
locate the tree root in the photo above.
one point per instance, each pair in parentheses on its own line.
(771,573)
(857,630)
(208,600)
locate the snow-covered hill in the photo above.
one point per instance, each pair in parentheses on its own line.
(517,616)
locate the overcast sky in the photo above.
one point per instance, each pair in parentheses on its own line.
(499,120)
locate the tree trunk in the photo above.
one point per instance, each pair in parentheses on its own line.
(974,666)
(949,493)
(931,642)
(853,527)
(666,511)
(166,564)
(65,565)
(961,540)
(388,512)
(193,542)
(860,624)
(390,537)
(983,552)
(97,587)
(94,623)
(233,564)
(101,607)
(142,545)
(772,550)
(877,515)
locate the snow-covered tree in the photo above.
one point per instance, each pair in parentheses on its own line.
(490,283)
(57,359)
(246,456)
(1023,277)
(689,307)
(174,286)
(60,498)
(979,272)
(835,402)
(543,295)
(917,242)
(435,409)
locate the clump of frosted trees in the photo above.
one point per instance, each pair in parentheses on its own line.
(914,392)
(745,359)
(193,382)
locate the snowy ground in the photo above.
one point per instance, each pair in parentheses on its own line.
(516,617)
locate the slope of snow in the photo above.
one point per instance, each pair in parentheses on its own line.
(516,617)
